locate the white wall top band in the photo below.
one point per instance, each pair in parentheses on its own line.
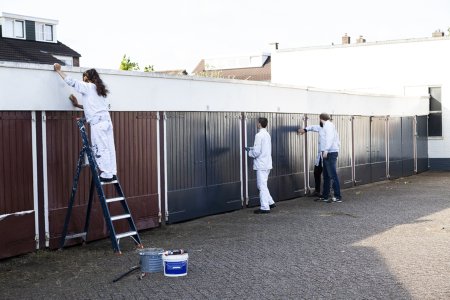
(37,87)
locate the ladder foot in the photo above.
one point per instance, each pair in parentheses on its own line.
(118,253)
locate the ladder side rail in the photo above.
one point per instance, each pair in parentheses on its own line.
(89,208)
(72,197)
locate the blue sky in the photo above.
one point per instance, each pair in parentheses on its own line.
(176,34)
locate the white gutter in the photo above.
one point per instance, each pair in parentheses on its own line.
(35,179)
(158,161)
(45,178)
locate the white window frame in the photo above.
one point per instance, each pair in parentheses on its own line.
(434,112)
(13,29)
(41,34)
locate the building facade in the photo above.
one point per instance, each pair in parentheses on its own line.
(33,40)
(400,67)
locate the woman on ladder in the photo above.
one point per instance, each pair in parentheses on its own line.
(93,93)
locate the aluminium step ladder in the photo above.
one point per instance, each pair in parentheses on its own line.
(115,237)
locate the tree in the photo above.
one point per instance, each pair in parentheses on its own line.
(127,65)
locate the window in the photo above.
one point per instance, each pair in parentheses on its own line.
(19,31)
(435,116)
(14,29)
(48,32)
(44,32)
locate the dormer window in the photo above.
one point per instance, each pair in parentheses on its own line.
(14,29)
(44,32)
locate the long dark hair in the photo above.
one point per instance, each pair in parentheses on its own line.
(93,77)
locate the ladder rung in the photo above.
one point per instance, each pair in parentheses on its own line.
(120,217)
(77,235)
(125,234)
(115,199)
(109,182)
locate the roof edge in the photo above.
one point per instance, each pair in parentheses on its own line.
(398,41)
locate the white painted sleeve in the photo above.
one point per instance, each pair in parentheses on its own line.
(315,128)
(256,150)
(79,86)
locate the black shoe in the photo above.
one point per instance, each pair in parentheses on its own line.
(105,179)
(316,194)
(319,197)
(102,179)
(272,206)
(322,199)
(260,211)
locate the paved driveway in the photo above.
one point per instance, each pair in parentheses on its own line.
(388,240)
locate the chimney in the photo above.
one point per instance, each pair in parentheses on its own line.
(345,40)
(360,40)
(438,33)
(275,45)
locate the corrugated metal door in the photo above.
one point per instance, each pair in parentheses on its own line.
(422,143)
(407,146)
(17,232)
(251,130)
(395,147)
(290,157)
(378,148)
(186,165)
(203,159)
(361,146)
(344,163)
(135,136)
(223,169)
(63,145)
(135,141)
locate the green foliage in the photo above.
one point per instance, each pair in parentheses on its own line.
(149,68)
(127,65)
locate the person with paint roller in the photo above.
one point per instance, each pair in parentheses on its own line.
(93,93)
(262,164)
(329,145)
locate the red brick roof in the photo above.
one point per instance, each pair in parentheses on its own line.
(256,74)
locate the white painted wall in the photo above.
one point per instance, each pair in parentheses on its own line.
(38,87)
(404,67)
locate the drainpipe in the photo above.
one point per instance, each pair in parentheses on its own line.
(415,143)
(388,175)
(305,158)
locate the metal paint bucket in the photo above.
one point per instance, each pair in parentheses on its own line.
(151,260)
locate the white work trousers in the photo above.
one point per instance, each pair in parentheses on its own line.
(102,139)
(264,195)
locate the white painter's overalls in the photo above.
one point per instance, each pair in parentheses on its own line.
(97,115)
(262,164)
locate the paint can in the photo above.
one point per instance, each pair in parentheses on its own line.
(175,265)
(151,260)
